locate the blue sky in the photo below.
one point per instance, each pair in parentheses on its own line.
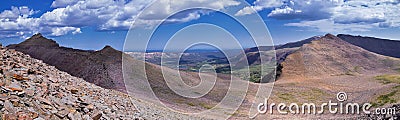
(92,24)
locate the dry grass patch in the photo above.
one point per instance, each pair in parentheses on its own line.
(203,105)
(191,104)
(236,113)
(397,69)
(386,79)
(391,97)
(386,98)
(301,95)
(286,96)
(314,95)
(180,101)
(206,106)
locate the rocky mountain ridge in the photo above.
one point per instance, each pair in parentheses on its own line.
(377,45)
(103,67)
(330,56)
(31,89)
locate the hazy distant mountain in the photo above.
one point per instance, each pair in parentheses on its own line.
(103,67)
(187,59)
(381,46)
(260,48)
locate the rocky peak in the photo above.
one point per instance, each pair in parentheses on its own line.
(37,35)
(108,50)
(330,36)
(39,40)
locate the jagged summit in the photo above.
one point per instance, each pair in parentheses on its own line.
(108,48)
(109,52)
(39,40)
(330,36)
(37,35)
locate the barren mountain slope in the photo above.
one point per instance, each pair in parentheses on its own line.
(32,89)
(102,67)
(331,56)
(317,71)
(281,51)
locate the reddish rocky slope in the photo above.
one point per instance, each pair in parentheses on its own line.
(331,56)
(103,67)
(31,89)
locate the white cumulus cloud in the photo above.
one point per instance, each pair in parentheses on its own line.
(58,31)
(69,16)
(63,3)
(329,26)
(351,15)
(119,15)
(18,22)
(258,6)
